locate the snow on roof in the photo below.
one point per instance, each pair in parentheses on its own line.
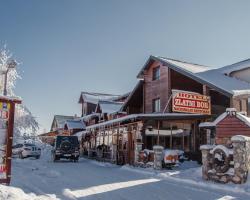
(109,106)
(141,116)
(191,67)
(120,97)
(75,124)
(215,78)
(11,98)
(90,116)
(229,84)
(235,67)
(240,138)
(61,119)
(239,115)
(92,97)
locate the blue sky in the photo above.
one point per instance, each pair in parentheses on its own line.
(66,47)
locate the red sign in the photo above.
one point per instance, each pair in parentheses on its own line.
(7,110)
(189,102)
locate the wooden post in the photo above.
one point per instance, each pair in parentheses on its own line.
(9,141)
(108,134)
(82,110)
(171,137)
(158,136)
(117,144)
(95,138)
(194,137)
(183,139)
(112,137)
(103,136)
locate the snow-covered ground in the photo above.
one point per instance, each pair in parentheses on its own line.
(44,180)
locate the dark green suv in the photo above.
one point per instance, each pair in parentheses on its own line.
(66,147)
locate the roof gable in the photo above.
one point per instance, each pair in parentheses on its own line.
(228,112)
(109,106)
(75,124)
(59,120)
(214,78)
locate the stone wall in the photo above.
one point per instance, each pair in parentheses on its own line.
(227,164)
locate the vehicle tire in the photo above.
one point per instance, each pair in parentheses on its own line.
(55,158)
(37,157)
(66,146)
(21,155)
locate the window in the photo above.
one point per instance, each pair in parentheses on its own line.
(156,105)
(156,73)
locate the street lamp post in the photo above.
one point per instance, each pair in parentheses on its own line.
(10,65)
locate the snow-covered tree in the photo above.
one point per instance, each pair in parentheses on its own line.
(25,122)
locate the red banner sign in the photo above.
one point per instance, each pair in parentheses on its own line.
(4,115)
(189,102)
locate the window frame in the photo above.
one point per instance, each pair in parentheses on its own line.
(156,108)
(156,73)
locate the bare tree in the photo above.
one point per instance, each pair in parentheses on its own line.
(25,122)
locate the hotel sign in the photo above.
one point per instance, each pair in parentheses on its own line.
(190,102)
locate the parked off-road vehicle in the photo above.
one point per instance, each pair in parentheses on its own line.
(66,147)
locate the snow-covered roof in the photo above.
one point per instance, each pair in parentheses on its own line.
(214,78)
(229,84)
(75,124)
(159,116)
(235,67)
(122,97)
(93,97)
(61,119)
(109,106)
(90,116)
(240,138)
(191,67)
(239,115)
(11,98)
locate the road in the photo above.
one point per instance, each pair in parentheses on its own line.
(90,180)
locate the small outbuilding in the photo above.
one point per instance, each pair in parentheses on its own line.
(227,125)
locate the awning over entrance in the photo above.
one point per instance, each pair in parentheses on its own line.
(151,116)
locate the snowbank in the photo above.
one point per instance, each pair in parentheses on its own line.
(13,193)
(189,173)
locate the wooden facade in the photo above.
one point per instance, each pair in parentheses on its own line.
(154,89)
(227,125)
(230,126)
(174,131)
(171,80)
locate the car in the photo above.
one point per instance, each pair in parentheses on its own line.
(26,150)
(66,147)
